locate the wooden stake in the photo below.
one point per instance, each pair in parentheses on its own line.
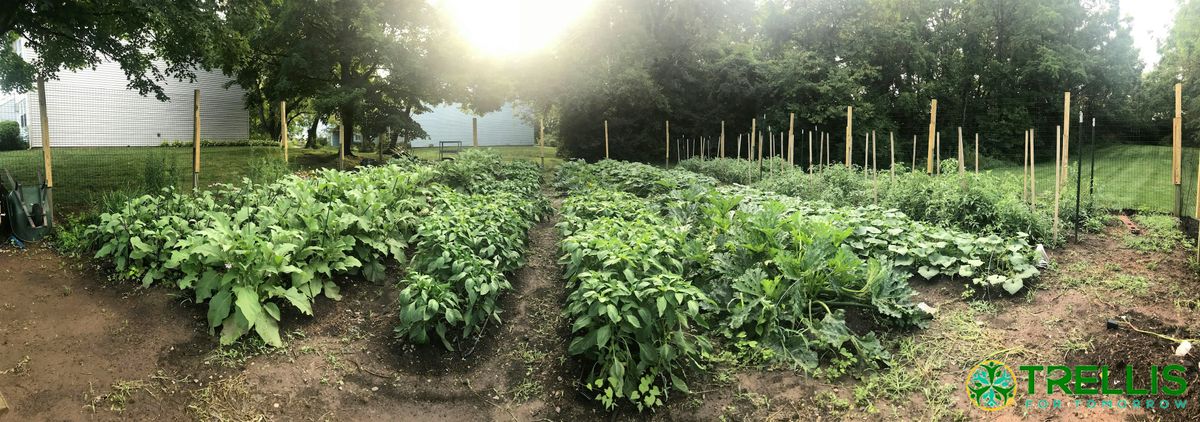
(475,132)
(760,152)
(606,140)
(195,140)
(1066,134)
(722,139)
(791,148)
(874,153)
(849,134)
(43,114)
(866,149)
(892,152)
(961,166)
(976,153)
(1025,169)
(932,130)
(1032,172)
(810,149)
(753,132)
(542,141)
(283,129)
(341,146)
(914,154)
(739,147)
(667,158)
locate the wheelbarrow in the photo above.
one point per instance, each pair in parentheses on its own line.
(25,209)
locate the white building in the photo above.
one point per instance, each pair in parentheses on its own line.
(94,107)
(447,122)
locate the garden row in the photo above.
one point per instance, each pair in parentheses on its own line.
(668,271)
(250,250)
(974,202)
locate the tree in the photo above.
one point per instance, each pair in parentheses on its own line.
(150,40)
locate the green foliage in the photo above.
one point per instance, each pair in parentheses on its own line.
(633,313)
(267,170)
(159,173)
(10,136)
(209,143)
(1160,233)
(978,203)
(464,247)
(249,250)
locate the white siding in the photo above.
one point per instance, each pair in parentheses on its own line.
(447,122)
(94,108)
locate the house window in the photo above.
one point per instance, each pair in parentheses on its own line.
(22,120)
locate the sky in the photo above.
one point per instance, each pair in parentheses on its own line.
(1151,23)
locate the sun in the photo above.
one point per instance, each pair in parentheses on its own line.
(504,28)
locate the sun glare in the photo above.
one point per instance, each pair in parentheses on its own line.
(512,27)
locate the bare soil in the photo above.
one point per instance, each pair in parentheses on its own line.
(76,347)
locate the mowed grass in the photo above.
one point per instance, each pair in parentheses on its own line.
(1127,176)
(81,175)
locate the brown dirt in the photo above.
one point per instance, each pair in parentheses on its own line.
(100,351)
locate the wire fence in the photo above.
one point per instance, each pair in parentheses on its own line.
(84,175)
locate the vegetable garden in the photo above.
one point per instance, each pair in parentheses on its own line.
(670,278)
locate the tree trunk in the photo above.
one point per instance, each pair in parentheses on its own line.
(347,115)
(311,142)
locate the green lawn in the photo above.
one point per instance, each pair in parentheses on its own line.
(1127,176)
(83,174)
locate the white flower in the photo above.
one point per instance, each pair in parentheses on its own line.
(228,265)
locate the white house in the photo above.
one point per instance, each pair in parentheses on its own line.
(93,107)
(447,122)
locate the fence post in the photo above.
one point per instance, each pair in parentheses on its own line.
(475,132)
(849,133)
(1025,168)
(914,154)
(47,157)
(606,139)
(976,153)
(1177,150)
(791,148)
(667,158)
(1066,133)
(892,152)
(196,140)
(1032,171)
(283,128)
(542,141)
(341,146)
(721,150)
(932,131)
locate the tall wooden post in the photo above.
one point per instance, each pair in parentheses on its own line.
(1177,150)
(892,152)
(914,154)
(1025,169)
(283,129)
(739,147)
(753,133)
(961,165)
(341,146)
(1032,171)
(760,152)
(932,131)
(874,153)
(606,139)
(722,148)
(810,157)
(977,153)
(791,145)
(47,157)
(195,140)
(667,144)
(475,132)
(542,140)
(849,133)
(1066,133)
(866,149)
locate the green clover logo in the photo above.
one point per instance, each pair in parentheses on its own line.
(990,385)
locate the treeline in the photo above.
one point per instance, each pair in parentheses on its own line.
(997,67)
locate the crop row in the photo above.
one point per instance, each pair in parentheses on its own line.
(661,283)
(982,203)
(249,250)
